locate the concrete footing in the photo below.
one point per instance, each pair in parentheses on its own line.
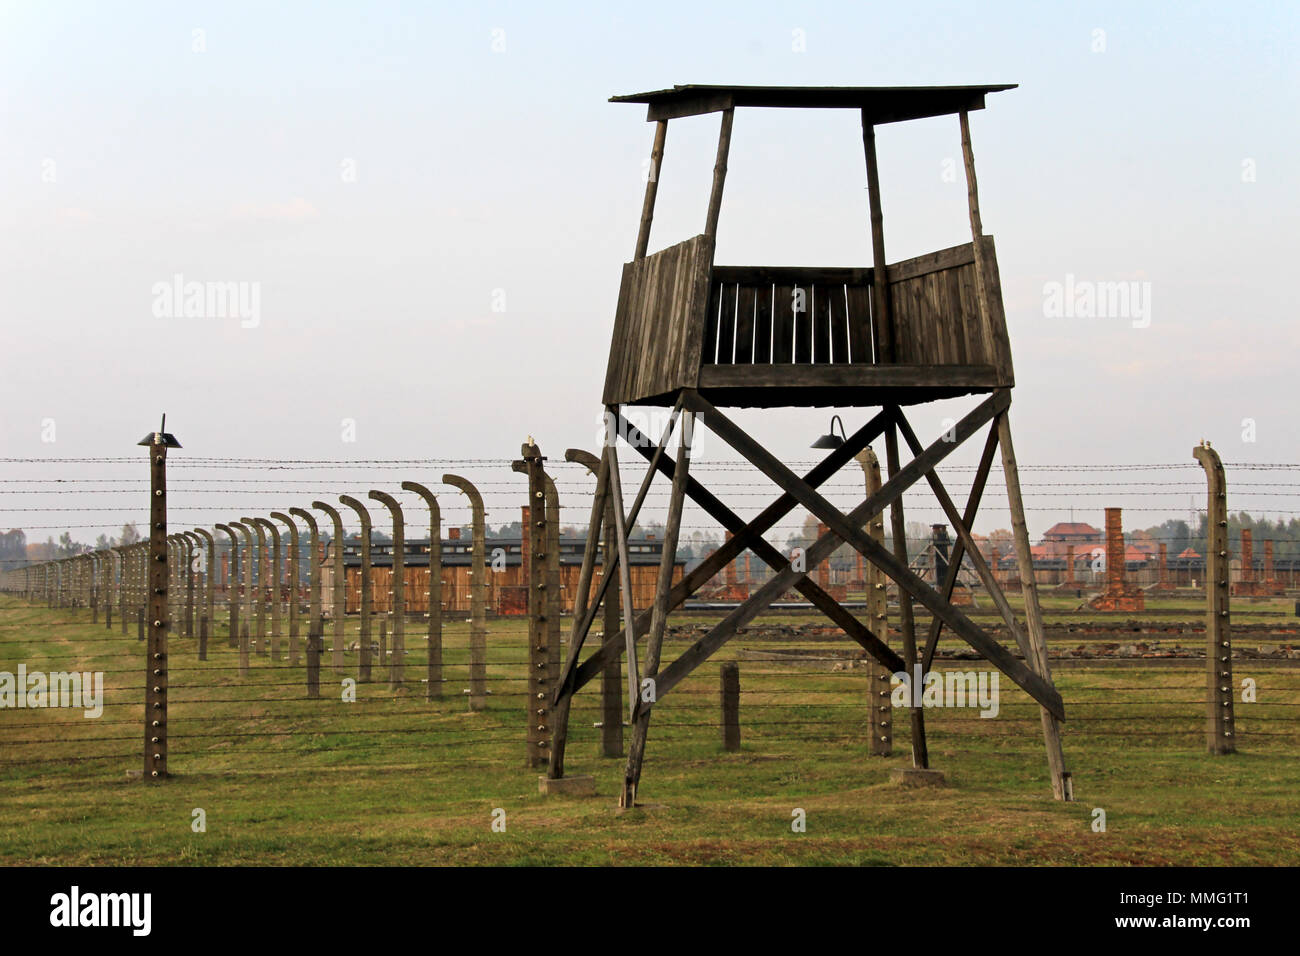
(580,785)
(916,777)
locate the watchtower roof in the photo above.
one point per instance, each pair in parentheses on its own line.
(883,104)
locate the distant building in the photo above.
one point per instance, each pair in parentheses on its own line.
(507,590)
(1061,535)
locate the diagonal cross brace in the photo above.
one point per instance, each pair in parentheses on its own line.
(746,535)
(584,619)
(766,552)
(875,504)
(848,529)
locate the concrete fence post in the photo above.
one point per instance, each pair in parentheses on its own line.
(245,607)
(272,585)
(96,577)
(291,560)
(257,584)
(1220,727)
(434,671)
(122,576)
(367,596)
(477,594)
(209,578)
(338,599)
(190,541)
(174,561)
(397,591)
(314,631)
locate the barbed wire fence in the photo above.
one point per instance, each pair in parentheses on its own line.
(244,697)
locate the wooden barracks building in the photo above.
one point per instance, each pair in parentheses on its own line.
(507,591)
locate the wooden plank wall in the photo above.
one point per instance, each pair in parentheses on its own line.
(936,316)
(659,323)
(455,587)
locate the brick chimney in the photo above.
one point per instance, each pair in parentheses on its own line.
(453,534)
(1114,551)
(1247,556)
(1117,596)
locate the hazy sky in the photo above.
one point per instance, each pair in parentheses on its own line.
(434,202)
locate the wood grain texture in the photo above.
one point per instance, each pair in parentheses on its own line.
(659,323)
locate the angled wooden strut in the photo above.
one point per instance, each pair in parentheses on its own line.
(611,730)
(560,703)
(604,493)
(848,528)
(746,535)
(641,706)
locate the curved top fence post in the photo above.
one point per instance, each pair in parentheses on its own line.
(396,671)
(257,570)
(338,599)
(232,593)
(272,584)
(291,560)
(477,593)
(434,689)
(367,596)
(209,586)
(313,571)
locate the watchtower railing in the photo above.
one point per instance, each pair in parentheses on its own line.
(681,320)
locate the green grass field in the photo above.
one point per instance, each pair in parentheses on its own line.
(394,779)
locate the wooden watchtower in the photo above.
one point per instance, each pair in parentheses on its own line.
(701,337)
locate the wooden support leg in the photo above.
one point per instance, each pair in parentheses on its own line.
(560,711)
(1062,787)
(624,566)
(659,619)
(583,623)
(611,678)
(906,623)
